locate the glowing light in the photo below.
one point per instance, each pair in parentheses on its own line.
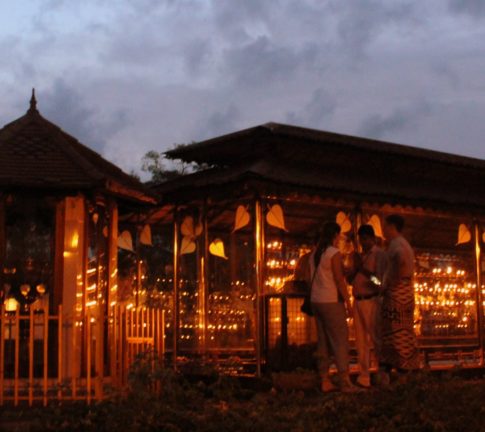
(11,304)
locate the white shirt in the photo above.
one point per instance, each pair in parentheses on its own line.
(324,288)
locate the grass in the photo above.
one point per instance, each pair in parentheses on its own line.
(425,403)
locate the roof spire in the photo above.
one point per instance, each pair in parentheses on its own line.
(33,103)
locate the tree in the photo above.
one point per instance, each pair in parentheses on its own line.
(155,163)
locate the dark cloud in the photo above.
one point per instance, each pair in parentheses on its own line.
(65,106)
(262,62)
(197,53)
(384,126)
(220,122)
(238,20)
(144,75)
(474,8)
(359,23)
(317,111)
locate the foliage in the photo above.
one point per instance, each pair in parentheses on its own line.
(423,403)
(155,163)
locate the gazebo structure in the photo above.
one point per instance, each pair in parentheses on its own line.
(229,237)
(61,333)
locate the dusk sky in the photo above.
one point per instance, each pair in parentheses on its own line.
(128,76)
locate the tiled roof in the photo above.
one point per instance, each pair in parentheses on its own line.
(334,165)
(270,138)
(35,153)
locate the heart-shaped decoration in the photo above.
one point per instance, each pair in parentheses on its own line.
(216,248)
(275,217)
(188,246)
(146,235)
(464,234)
(343,220)
(242,218)
(187,227)
(375,223)
(125,241)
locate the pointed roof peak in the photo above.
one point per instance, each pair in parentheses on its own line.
(33,103)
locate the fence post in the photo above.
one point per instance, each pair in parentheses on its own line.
(74,368)
(31,355)
(59,352)
(2,351)
(46,351)
(16,366)
(88,357)
(99,359)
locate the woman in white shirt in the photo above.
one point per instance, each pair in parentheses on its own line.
(330,299)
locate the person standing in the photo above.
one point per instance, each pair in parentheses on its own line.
(330,298)
(366,289)
(398,344)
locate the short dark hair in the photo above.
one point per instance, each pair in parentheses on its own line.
(396,220)
(366,230)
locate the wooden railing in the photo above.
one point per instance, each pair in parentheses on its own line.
(46,357)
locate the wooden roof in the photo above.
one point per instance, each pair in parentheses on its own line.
(37,154)
(330,164)
(269,138)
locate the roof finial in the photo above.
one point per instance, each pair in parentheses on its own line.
(33,102)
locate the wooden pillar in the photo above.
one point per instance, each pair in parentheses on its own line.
(113,254)
(2,231)
(478,291)
(176,264)
(112,297)
(203,289)
(259,245)
(59,255)
(73,282)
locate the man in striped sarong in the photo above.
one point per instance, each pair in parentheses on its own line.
(398,344)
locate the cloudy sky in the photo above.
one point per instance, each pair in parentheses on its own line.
(128,76)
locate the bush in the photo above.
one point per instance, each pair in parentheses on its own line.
(424,403)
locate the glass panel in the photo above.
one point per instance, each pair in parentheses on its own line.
(27,279)
(301,327)
(97,263)
(482,269)
(445,281)
(274,321)
(445,295)
(231,291)
(27,273)
(157,275)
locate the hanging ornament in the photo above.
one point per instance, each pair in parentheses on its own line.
(95,218)
(105,231)
(242,218)
(190,232)
(216,248)
(146,235)
(41,288)
(188,246)
(11,304)
(125,241)
(189,229)
(343,220)
(464,234)
(375,223)
(275,217)
(25,289)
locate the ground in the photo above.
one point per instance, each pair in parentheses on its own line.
(446,402)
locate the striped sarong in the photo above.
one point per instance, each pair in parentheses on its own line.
(399,347)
